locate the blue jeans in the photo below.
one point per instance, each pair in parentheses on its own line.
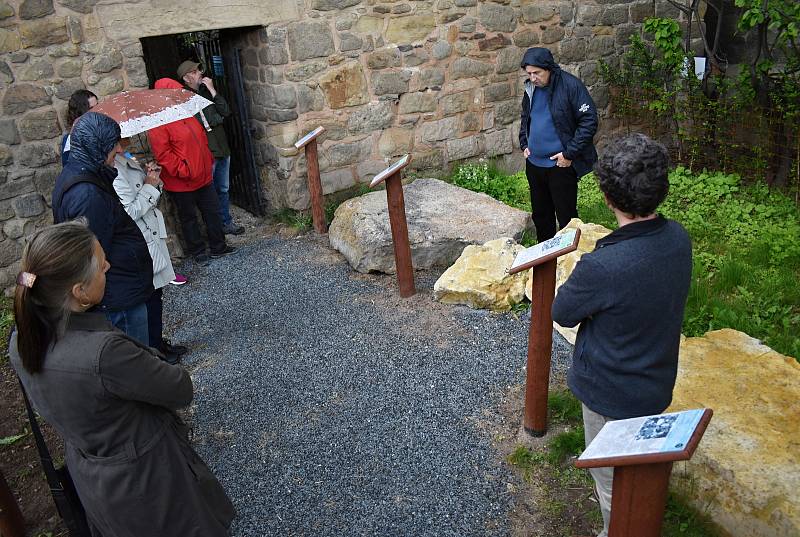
(221,172)
(132,321)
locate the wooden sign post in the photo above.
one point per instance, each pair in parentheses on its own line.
(642,451)
(542,259)
(309,141)
(397,220)
(11,521)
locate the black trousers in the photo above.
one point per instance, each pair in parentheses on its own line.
(155,309)
(554,193)
(205,199)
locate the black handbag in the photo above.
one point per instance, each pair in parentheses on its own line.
(68,504)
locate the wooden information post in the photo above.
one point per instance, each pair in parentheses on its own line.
(542,259)
(309,141)
(397,221)
(11,522)
(642,451)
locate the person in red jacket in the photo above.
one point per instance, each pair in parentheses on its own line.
(181,149)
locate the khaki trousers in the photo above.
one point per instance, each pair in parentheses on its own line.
(603,477)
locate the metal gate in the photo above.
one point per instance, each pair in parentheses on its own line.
(220,57)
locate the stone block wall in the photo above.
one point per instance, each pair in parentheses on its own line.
(47,51)
(439,79)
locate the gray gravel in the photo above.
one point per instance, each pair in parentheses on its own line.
(328,406)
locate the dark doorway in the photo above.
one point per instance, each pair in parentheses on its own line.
(217,51)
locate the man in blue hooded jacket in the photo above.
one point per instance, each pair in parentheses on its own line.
(85,188)
(558,122)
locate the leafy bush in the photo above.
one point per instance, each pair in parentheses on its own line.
(484,177)
(745,245)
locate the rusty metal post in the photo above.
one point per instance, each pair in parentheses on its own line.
(540,345)
(315,188)
(11,522)
(397,221)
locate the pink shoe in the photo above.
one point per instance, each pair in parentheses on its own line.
(180,279)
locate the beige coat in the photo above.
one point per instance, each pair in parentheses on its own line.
(140,201)
(112,400)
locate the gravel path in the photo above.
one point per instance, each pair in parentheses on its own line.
(327,405)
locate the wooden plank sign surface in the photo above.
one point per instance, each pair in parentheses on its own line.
(308,137)
(388,172)
(671,436)
(545,251)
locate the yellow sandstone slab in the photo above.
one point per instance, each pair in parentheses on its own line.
(479,278)
(747,468)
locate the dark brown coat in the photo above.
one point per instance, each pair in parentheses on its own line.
(113,402)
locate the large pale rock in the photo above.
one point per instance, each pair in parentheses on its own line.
(590,234)
(442,220)
(745,472)
(480,279)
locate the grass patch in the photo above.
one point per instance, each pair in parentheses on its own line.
(745,246)
(683,520)
(563,407)
(295,219)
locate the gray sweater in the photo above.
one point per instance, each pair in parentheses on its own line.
(629,295)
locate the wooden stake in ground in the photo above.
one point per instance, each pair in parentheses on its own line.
(11,522)
(542,259)
(641,451)
(397,220)
(309,142)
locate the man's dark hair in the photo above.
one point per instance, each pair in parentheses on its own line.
(78,105)
(633,173)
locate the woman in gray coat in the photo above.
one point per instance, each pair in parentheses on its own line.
(111,398)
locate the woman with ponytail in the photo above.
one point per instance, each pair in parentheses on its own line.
(111,398)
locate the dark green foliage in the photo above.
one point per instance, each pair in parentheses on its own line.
(484,177)
(563,407)
(745,239)
(564,445)
(683,520)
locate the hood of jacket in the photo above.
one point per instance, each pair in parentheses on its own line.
(93,137)
(167,83)
(539,57)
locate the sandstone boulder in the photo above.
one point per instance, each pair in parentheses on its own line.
(745,471)
(442,220)
(590,234)
(480,279)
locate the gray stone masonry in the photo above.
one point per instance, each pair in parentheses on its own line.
(438,79)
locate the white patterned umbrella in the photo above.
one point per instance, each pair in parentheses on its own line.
(141,110)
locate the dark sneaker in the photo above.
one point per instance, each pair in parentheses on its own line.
(168,348)
(201,259)
(171,359)
(228,250)
(232,229)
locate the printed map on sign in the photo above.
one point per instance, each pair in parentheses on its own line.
(538,251)
(644,436)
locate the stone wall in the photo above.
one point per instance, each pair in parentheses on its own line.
(439,79)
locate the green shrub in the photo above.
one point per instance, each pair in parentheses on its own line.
(485,177)
(745,239)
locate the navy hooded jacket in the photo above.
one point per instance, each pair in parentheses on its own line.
(573,110)
(85,188)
